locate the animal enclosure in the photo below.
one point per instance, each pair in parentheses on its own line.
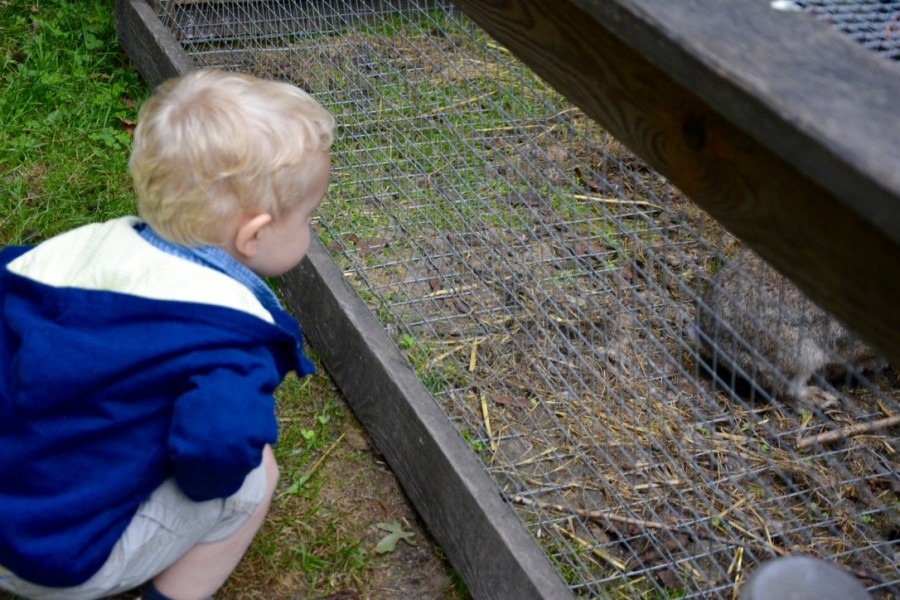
(545,284)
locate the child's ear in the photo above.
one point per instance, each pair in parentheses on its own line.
(249,233)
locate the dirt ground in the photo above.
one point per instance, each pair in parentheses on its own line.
(359,492)
(419,571)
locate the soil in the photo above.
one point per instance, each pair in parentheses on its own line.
(360,492)
(418,571)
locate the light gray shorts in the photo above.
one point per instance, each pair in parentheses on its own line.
(166,526)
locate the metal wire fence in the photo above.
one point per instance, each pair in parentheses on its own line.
(546,285)
(873,23)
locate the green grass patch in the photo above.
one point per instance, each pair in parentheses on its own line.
(305,539)
(449,144)
(68,98)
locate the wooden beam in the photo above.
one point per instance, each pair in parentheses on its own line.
(778,126)
(481,534)
(153,49)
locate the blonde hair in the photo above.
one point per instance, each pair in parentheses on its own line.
(211,144)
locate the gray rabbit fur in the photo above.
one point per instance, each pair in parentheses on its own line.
(754,322)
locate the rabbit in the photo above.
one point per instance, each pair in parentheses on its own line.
(753,322)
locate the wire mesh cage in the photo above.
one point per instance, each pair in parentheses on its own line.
(873,23)
(663,409)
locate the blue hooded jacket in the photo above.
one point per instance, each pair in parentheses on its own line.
(122,365)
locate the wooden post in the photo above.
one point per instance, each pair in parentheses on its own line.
(153,49)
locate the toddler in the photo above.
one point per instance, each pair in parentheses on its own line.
(138,357)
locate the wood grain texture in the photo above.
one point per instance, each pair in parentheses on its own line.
(153,49)
(784,131)
(817,99)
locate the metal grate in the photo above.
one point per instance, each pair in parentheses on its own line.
(545,285)
(873,23)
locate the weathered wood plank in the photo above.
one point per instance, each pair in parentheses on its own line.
(779,127)
(156,54)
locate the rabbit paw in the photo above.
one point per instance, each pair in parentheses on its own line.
(818,398)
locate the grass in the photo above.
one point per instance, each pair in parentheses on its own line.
(450,143)
(68,100)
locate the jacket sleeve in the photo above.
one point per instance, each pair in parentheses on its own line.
(222,421)
(10,253)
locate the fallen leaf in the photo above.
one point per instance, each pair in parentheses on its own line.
(128,125)
(511,401)
(356,437)
(389,542)
(382,507)
(668,578)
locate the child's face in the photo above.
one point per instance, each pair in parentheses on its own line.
(287,241)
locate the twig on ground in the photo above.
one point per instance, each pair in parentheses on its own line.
(594,515)
(618,201)
(315,467)
(487,423)
(473,354)
(612,520)
(848,431)
(604,556)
